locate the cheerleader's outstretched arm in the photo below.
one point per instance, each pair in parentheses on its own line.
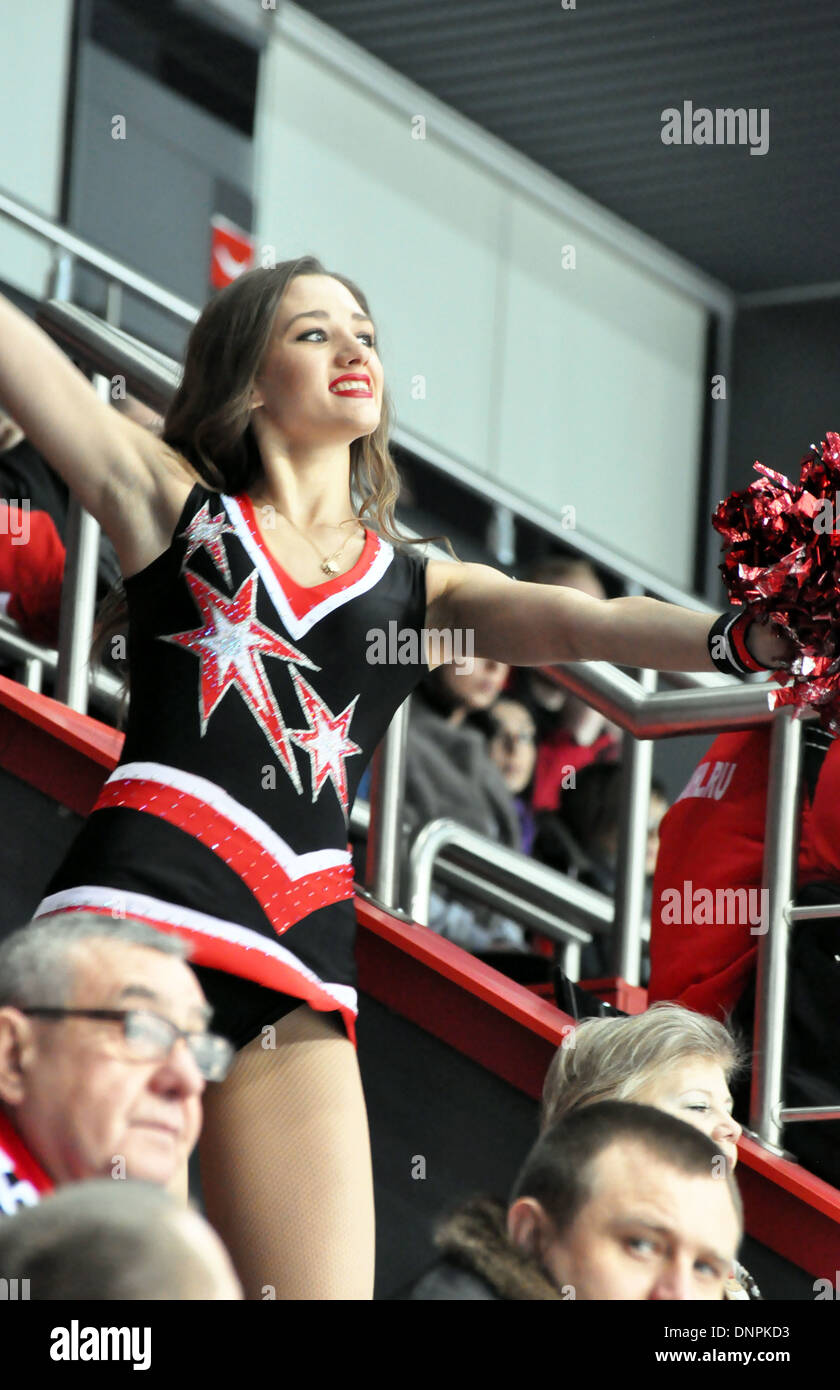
(120,472)
(541,624)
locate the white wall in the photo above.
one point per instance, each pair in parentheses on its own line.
(35,45)
(575,387)
(415,224)
(602,376)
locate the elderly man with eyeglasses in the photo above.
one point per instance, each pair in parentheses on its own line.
(104,1055)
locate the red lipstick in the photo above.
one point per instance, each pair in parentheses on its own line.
(362,389)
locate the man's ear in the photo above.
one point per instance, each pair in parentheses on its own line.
(525,1221)
(17,1045)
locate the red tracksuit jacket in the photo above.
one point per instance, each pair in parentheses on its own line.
(703,945)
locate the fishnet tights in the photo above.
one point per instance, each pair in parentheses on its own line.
(285,1164)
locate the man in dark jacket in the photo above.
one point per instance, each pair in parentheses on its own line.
(617,1201)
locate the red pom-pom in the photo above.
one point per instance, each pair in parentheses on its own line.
(782,561)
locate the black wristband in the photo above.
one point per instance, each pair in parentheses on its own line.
(727,644)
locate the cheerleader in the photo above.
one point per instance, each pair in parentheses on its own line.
(258,550)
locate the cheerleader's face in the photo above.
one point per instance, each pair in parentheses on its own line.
(321,380)
(86,1105)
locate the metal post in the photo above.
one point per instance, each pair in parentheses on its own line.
(718,420)
(78,596)
(384,847)
(501,535)
(571,961)
(780,852)
(61,275)
(33,674)
(637,765)
(113,303)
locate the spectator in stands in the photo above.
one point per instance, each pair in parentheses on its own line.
(106,1240)
(709,915)
(33,525)
(570,734)
(513,748)
(104,1054)
(591,816)
(613,1202)
(449,772)
(582,840)
(669,1058)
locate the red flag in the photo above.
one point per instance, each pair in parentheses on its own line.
(231,251)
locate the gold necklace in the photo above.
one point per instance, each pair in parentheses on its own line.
(328,562)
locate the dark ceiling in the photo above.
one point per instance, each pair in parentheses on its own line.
(581,92)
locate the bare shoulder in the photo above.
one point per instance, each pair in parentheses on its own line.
(439,576)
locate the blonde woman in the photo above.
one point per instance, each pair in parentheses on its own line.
(668,1057)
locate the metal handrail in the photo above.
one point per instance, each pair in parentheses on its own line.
(102,348)
(106,690)
(663,713)
(117,272)
(384,845)
(795,1114)
(507,874)
(538,886)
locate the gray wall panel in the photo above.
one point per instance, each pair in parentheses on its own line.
(148,199)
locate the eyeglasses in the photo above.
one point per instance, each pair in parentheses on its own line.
(151,1038)
(513,740)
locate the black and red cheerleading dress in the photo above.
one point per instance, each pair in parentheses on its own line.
(254,711)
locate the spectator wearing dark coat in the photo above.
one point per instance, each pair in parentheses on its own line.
(513,748)
(615,1202)
(449,772)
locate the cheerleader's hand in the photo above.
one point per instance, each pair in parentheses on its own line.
(769,646)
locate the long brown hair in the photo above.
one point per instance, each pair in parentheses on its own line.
(208,423)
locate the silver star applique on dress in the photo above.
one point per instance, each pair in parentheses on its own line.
(231,646)
(325,740)
(206,530)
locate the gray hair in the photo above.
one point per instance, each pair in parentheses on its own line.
(37,965)
(615,1058)
(104,1239)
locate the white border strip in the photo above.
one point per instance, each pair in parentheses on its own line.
(298,627)
(294,865)
(140,905)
